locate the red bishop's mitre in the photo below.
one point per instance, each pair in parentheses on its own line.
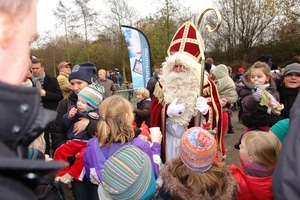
(187,39)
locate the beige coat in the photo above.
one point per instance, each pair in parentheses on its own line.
(64,84)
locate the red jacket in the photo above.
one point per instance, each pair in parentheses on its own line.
(252,187)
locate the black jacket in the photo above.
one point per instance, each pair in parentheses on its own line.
(58,131)
(151,84)
(53,93)
(142,112)
(21,121)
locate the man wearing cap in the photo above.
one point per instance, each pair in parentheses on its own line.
(177,100)
(64,69)
(116,77)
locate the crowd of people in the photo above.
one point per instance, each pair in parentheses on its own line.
(83,135)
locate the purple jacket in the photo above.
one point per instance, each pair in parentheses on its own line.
(95,156)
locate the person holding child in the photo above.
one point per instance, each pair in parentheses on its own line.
(80,77)
(89,99)
(252,88)
(195,174)
(142,110)
(259,152)
(256,115)
(227,94)
(115,130)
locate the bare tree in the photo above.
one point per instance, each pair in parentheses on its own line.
(245,24)
(65,19)
(161,26)
(120,14)
(89,19)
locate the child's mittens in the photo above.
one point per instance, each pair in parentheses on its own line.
(258,94)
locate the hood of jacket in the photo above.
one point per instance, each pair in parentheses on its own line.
(220,71)
(178,191)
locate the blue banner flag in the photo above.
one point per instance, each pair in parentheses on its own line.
(139,56)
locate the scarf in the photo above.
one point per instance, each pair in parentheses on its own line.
(38,81)
(287,98)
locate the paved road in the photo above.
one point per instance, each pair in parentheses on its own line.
(231,139)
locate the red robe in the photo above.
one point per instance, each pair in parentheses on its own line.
(158,113)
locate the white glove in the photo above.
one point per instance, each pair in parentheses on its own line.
(175,109)
(201,105)
(258,94)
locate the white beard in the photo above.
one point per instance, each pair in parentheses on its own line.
(186,87)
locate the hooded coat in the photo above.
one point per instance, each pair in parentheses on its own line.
(225,85)
(174,189)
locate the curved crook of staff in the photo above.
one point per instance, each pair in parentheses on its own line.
(208,26)
(202,50)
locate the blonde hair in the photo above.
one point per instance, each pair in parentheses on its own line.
(102,70)
(208,183)
(263,66)
(113,125)
(144,92)
(264,147)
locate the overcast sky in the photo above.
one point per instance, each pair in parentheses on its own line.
(46,19)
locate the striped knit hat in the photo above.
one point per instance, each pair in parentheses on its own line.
(198,149)
(93,95)
(128,174)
